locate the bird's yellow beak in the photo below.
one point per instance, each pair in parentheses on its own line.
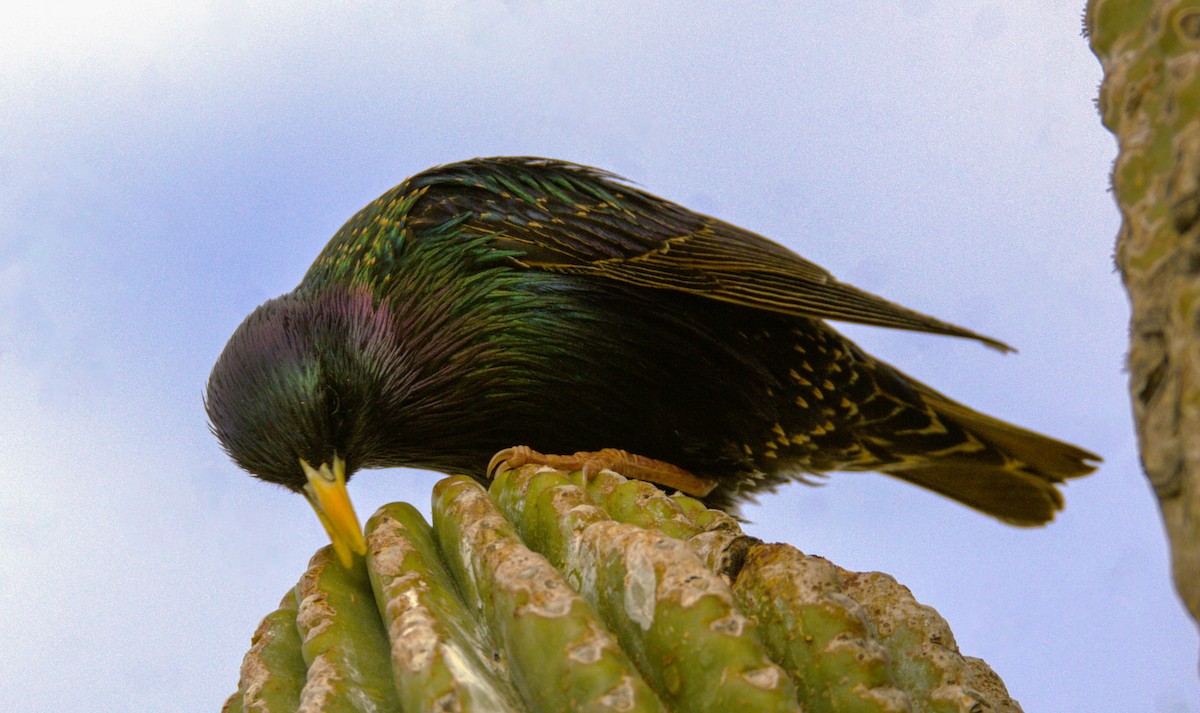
(326,492)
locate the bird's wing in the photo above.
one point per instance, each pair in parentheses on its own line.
(565,218)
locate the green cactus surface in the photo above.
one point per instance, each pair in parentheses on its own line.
(548,593)
(1150,100)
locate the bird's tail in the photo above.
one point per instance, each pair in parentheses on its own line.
(1003,470)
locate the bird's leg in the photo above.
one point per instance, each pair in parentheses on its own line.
(627,464)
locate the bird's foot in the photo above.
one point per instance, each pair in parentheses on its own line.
(591,462)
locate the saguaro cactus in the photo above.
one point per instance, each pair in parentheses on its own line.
(1150,100)
(547,593)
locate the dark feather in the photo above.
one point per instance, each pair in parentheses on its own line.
(569,219)
(506,301)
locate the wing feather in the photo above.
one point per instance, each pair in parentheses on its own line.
(561,217)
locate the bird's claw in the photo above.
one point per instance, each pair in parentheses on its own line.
(510,458)
(517,456)
(591,462)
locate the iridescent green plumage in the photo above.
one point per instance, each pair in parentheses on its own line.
(511,301)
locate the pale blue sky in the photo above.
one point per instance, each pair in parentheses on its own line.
(164,169)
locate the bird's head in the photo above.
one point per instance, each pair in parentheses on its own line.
(291,396)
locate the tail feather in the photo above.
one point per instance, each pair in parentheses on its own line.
(1016,484)
(993,490)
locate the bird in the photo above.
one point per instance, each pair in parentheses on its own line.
(499,309)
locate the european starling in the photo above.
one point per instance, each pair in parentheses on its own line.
(530,301)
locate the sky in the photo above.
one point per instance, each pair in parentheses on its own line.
(166,167)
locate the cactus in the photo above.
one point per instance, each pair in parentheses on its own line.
(273,671)
(546,592)
(1150,100)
